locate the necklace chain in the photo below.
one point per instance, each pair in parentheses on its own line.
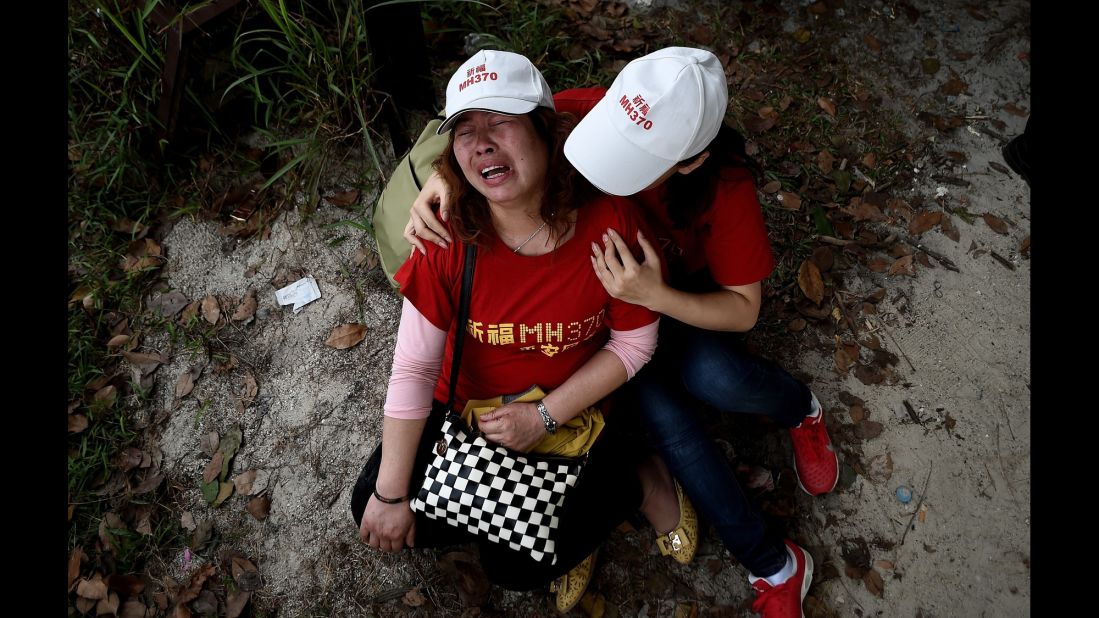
(532,235)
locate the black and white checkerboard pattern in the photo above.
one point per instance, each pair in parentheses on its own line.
(497,494)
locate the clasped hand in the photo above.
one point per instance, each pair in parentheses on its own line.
(621,275)
(518,426)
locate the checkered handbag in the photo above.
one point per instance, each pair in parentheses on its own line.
(493,492)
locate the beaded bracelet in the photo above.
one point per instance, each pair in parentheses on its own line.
(389,500)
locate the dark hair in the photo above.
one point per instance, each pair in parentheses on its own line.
(565,188)
(690,195)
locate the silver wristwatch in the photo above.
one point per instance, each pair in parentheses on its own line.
(551,425)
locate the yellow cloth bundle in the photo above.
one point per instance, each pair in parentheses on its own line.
(572,439)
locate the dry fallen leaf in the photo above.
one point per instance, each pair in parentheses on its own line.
(810,282)
(189,312)
(797,325)
(759,124)
(344,198)
(788,200)
(874,583)
(843,361)
(75,559)
(126,585)
(871,43)
(108,605)
(953,87)
(249,388)
(187,521)
(186,382)
(133,608)
(857,413)
(903,266)
(106,395)
(823,257)
(346,336)
(867,429)
(1011,108)
(246,574)
(997,224)
(167,305)
(825,161)
(360,256)
(94,588)
(244,481)
(127,226)
(870,160)
(880,467)
(142,254)
(949,229)
(924,221)
(211,312)
(247,307)
(827,105)
(1024,247)
(884,564)
(84,605)
(225,490)
(414,598)
(878,264)
(209,443)
(194,586)
(861,210)
(771,187)
(259,507)
(235,602)
(152,480)
(213,468)
(145,363)
(118,341)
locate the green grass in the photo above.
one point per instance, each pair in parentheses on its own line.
(539,32)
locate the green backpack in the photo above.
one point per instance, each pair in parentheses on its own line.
(391,211)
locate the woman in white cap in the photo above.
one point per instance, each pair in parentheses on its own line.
(538,314)
(659,135)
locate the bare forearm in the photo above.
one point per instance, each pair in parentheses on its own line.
(400,437)
(724,310)
(603,373)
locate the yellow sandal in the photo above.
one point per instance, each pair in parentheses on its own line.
(682,542)
(570,587)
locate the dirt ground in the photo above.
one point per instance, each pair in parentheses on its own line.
(954,419)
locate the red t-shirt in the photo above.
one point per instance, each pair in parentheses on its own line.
(730,237)
(532,319)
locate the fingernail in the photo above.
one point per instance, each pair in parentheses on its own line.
(595,247)
(605,237)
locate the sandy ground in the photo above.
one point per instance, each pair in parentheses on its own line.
(962,339)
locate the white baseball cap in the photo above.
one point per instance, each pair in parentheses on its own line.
(495,81)
(661,109)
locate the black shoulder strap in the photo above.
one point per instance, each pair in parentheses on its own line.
(463,317)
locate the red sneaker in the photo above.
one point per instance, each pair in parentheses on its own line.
(815,462)
(784,600)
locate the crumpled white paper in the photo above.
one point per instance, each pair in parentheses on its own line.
(300,293)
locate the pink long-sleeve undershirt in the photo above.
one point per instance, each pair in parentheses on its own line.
(418,358)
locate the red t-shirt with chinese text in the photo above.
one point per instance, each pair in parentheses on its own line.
(730,238)
(532,319)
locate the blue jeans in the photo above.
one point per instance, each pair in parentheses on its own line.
(693,367)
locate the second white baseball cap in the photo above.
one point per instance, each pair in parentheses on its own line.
(662,108)
(495,81)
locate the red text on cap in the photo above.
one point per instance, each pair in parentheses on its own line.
(477,75)
(636,109)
